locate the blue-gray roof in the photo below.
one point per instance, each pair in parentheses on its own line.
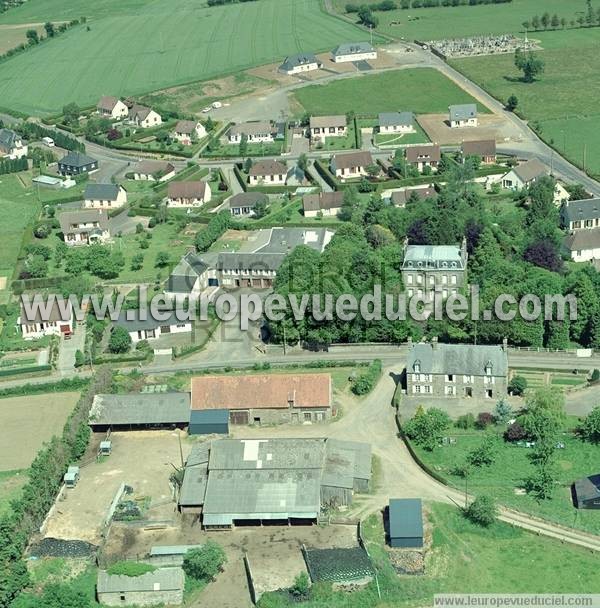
(424,257)
(463,111)
(77,159)
(406,518)
(8,139)
(390,119)
(588,488)
(209,416)
(466,359)
(294,61)
(352,48)
(101,192)
(587,209)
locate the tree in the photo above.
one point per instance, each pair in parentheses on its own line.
(204,563)
(535,22)
(36,267)
(366,17)
(503,411)
(247,165)
(484,419)
(555,22)
(545,20)
(590,427)
(55,595)
(482,511)
(526,25)
(590,16)
(303,162)
(349,204)
(50,31)
(545,254)
(515,432)
(32,37)
(484,454)
(511,103)
(71,113)
(79,358)
(373,170)
(120,340)
(426,428)
(466,421)
(162,259)
(260,209)
(529,64)
(517,385)
(137,261)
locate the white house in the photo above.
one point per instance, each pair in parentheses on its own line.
(188,131)
(188,194)
(301,62)
(84,227)
(144,327)
(11,145)
(323,203)
(111,107)
(584,245)
(144,117)
(55,319)
(524,174)
(322,127)
(353,51)
(153,171)
(428,155)
(254,132)
(244,203)
(463,115)
(268,173)
(396,122)
(351,165)
(104,196)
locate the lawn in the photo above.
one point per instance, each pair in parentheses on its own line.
(135,47)
(401,139)
(461,21)
(464,558)
(512,466)
(233,150)
(422,91)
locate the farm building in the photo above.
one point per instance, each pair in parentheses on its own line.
(463,115)
(405,523)
(139,411)
(301,62)
(587,492)
(265,398)
(163,586)
(77,163)
(250,481)
(353,51)
(209,422)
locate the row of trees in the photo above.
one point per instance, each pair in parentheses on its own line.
(590,18)
(9,165)
(390,5)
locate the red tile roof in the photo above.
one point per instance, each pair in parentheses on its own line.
(261,391)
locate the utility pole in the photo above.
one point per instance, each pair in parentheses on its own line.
(284,340)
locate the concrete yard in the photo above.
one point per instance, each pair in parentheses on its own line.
(27,422)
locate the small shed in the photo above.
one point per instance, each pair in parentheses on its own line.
(169,555)
(208,422)
(587,492)
(405,522)
(71,476)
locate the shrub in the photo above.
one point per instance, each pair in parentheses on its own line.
(484,455)
(595,375)
(484,419)
(515,432)
(79,358)
(482,511)
(590,427)
(366,381)
(503,410)
(120,340)
(426,428)
(301,586)
(466,421)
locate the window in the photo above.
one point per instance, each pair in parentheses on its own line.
(453,279)
(489,393)
(417,366)
(307,417)
(450,390)
(444,279)
(419,279)
(409,279)
(467,379)
(417,388)
(427,389)
(450,378)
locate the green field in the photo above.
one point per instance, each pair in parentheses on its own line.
(400,139)
(459,21)
(463,558)
(422,91)
(135,47)
(512,466)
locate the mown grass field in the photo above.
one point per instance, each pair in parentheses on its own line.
(463,558)
(459,21)
(512,466)
(135,47)
(422,91)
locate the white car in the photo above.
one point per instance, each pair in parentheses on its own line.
(217,104)
(48,141)
(207,109)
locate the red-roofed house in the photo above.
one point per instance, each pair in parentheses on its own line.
(266,398)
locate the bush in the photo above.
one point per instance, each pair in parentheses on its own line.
(301,586)
(503,410)
(515,432)
(214,230)
(426,428)
(517,385)
(466,421)
(204,563)
(120,340)
(484,455)
(484,419)
(366,381)
(590,427)
(482,511)
(595,375)
(79,358)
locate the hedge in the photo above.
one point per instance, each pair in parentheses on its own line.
(66,384)
(326,175)
(25,370)
(365,383)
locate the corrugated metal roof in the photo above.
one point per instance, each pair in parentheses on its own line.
(167,579)
(193,488)
(172,549)
(141,408)
(406,518)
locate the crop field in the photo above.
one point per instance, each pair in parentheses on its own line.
(27,422)
(459,21)
(422,91)
(135,47)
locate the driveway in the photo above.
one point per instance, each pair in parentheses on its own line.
(123,224)
(65,365)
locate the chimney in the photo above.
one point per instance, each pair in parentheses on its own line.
(505,344)
(463,250)
(409,341)
(434,342)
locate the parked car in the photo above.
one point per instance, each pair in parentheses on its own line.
(48,141)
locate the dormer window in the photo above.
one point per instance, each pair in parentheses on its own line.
(417,366)
(488,368)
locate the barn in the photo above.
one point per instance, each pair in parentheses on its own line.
(405,523)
